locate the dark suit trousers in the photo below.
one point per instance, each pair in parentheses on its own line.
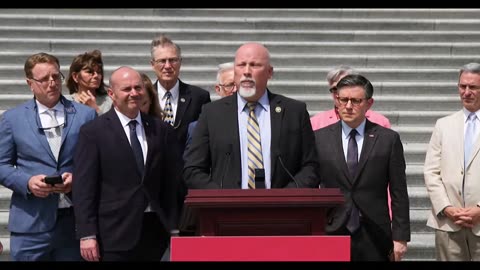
(151,246)
(366,245)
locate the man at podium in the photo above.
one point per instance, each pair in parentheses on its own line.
(254,138)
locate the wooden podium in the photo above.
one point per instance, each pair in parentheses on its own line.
(261,212)
(261,225)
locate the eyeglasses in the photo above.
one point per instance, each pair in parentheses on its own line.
(54,78)
(345,100)
(463,87)
(333,89)
(228,87)
(162,62)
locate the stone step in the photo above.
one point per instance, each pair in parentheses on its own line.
(421,247)
(261,22)
(419,199)
(415,152)
(78,45)
(5,196)
(418,220)
(331,13)
(415,119)
(5,256)
(414,174)
(240,34)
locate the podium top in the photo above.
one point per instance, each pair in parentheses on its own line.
(295,197)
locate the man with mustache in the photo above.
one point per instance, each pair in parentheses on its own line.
(252,134)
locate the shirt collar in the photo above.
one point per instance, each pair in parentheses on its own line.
(124,120)
(360,129)
(264,102)
(42,108)
(175,91)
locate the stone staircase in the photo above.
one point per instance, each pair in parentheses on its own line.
(412,56)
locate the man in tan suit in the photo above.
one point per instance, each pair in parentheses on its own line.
(452,175)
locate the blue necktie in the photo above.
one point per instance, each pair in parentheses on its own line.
(470,132)
(136,147)
(353,222)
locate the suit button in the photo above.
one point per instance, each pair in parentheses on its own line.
(459,193)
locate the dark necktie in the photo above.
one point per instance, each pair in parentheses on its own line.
(136,147)
(352,162)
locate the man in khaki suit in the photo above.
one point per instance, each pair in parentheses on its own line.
(452,175)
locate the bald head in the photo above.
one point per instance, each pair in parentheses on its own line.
(252,70)
(126,90)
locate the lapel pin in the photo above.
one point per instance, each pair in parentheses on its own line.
(182,99)
(278,109)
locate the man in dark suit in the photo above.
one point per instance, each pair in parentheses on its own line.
(128,169)
(38,138)
(220,155)
(181,102)
(358,156)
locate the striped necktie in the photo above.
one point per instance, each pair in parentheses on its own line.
(255,159)
(168,109)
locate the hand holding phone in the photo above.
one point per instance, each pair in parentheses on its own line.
(53,179)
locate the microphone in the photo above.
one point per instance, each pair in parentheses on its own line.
(279,157)
(260,179)
(227,164)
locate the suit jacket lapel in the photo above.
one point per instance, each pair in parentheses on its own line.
(33,119)
(369,139)
(184,99)
(336,138)
(69,112)
(148,127)
(276,115)
(115,126)
(231,125)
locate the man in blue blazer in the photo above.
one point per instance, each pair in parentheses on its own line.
(41,218)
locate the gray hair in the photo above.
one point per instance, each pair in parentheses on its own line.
(222,68)
(340,71)
(164,41)
(470,68)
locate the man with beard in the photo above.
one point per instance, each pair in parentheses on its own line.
(252,135)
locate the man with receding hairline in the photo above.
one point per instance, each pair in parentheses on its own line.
(128,167)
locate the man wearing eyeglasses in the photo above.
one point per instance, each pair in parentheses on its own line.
(363,158)
(37,139)
(181,102)
(323,119)
(452,174)
(224,87)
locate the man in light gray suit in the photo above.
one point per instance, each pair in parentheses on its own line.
(37,139)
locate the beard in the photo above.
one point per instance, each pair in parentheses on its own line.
(247,92)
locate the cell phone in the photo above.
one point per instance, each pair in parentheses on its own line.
(53,179)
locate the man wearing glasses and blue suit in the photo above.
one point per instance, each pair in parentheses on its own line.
(37,139)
